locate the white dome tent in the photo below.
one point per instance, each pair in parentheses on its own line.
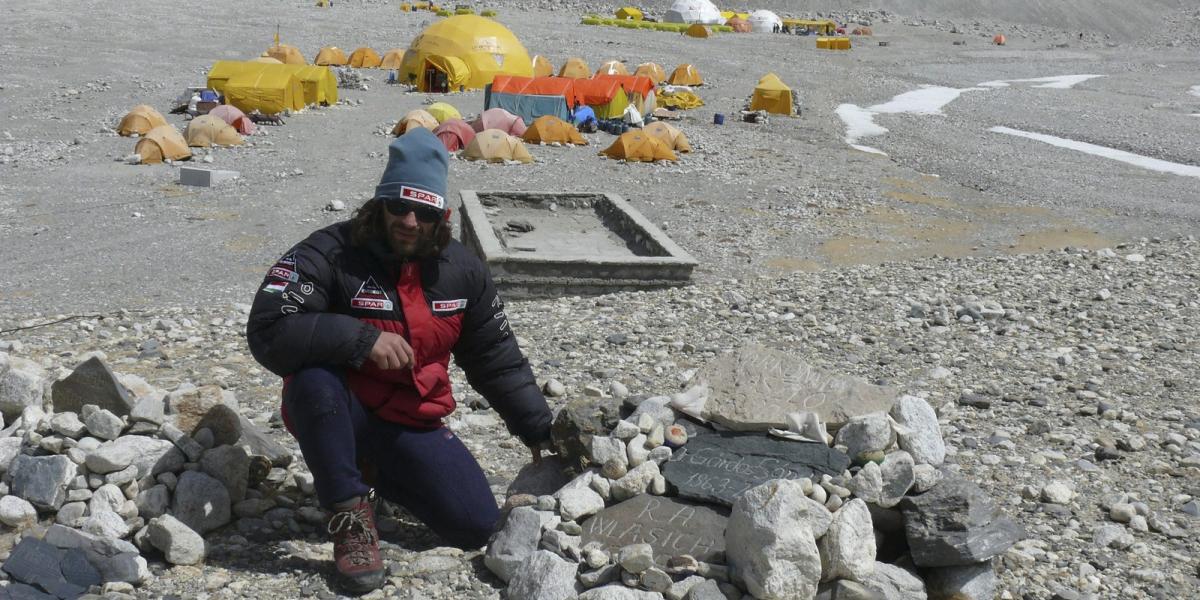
(694,11)
(764,21)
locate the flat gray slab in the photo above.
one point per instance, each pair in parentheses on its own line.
(671,527)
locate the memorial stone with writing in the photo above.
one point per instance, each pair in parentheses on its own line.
(755,387)
(671,527)
(718,467)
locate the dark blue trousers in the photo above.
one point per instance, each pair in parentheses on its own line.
(429,472)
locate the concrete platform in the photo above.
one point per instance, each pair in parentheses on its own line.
(541,244)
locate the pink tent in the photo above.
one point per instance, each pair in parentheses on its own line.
(455,134)
(235,117)
(498,118)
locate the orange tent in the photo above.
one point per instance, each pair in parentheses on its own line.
(455,134)
(595,91)
(162,143)
(140,120)
(549,129)
(575,68)
(364,58)
(999,40)
(697,30)
(330,55)
(739,25)
(288,55)
(392,58)
(685,74)
(493,145)
(542,67)
(669,135)
(612,67)
(638,146)
(415,118)
(651,70)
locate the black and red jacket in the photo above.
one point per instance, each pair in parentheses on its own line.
(326,301)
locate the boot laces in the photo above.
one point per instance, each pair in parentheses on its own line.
(354,534)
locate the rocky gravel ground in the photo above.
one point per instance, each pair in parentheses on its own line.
(1064,382)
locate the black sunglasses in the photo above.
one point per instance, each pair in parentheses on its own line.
(400,207)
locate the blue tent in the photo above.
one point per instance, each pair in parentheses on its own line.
(582,115)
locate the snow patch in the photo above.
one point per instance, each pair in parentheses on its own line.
(860,123)
(1195,91)
(1130,158)
(1058,82)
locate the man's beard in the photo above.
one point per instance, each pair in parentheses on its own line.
(423,245)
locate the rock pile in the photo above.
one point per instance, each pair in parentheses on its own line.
(121,469)
(667,507)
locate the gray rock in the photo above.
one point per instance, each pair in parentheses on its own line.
(515,542)
(544,576)
(201,502)
(123,476)
(149,409)
(106,498)
(115,559)
(577,422)
(153,456)
(231,466)
(956,524)
(1112,536)
(72,514)
(20,385)
(103,424)
(574,505)
(10,447)
(898,477)
(925,477)
(111,457)
(770,541)
(844,589)
(106,524)
(679,589)
(540,478)
(16,512)
(868,483)
(619,592)
(155,501)
(917,430)
(600,576)
(659,410)
(866,434)
(186,407)
(636,558)
(896,583)
(35,562)
(968,582)
(180,544)
(67,424)
(1058,492)
(91,383)
(706,590)
(848,548)
(42,480)
(606,448)
(669,525)
(635,482)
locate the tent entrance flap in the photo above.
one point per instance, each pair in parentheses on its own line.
(443,74)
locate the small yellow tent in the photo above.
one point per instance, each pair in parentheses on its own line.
(697,30)
(638,146)
(575,68)
(772,96)
(269,91)
(365,58)
(669,135)
(630,13)
(207,130)
(140,120)
(549,129)
(612,67)
(494,145)
(442,111)
(288,55)
(652,71)
(413,119)
(685,74)
(463,51)
(542,67)
(330,55)
(392,59)
(162,143)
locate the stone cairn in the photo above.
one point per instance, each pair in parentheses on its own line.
(118,469)
(666,507)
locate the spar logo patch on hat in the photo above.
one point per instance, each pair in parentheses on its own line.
(422,196)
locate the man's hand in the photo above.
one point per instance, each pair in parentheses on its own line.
(391,352)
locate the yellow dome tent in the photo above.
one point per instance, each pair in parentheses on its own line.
(413,119)
(140,120)
(392,59)
(288,55)
(638,146)
(612,67)
(442,111)
(494,145)
(542,67)
(207,130)
(630,13)
(330,55)
(162,143)
(685,74)
(463,51)
(651,71)
(269,91)
(267,60)
(575,68)
(669,135)
(365,58)
(772,96)
(549,129)
(697,30)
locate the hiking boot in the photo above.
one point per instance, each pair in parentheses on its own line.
(356,545)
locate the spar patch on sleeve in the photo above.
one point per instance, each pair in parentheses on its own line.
(285,269)
(423,197)
(449,305)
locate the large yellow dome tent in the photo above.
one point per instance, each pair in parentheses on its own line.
(288,55)
(463,51)
(365,58)
(162,143)
(392,59)
(772,96)
(140,120)
(330,55)
(208,130)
